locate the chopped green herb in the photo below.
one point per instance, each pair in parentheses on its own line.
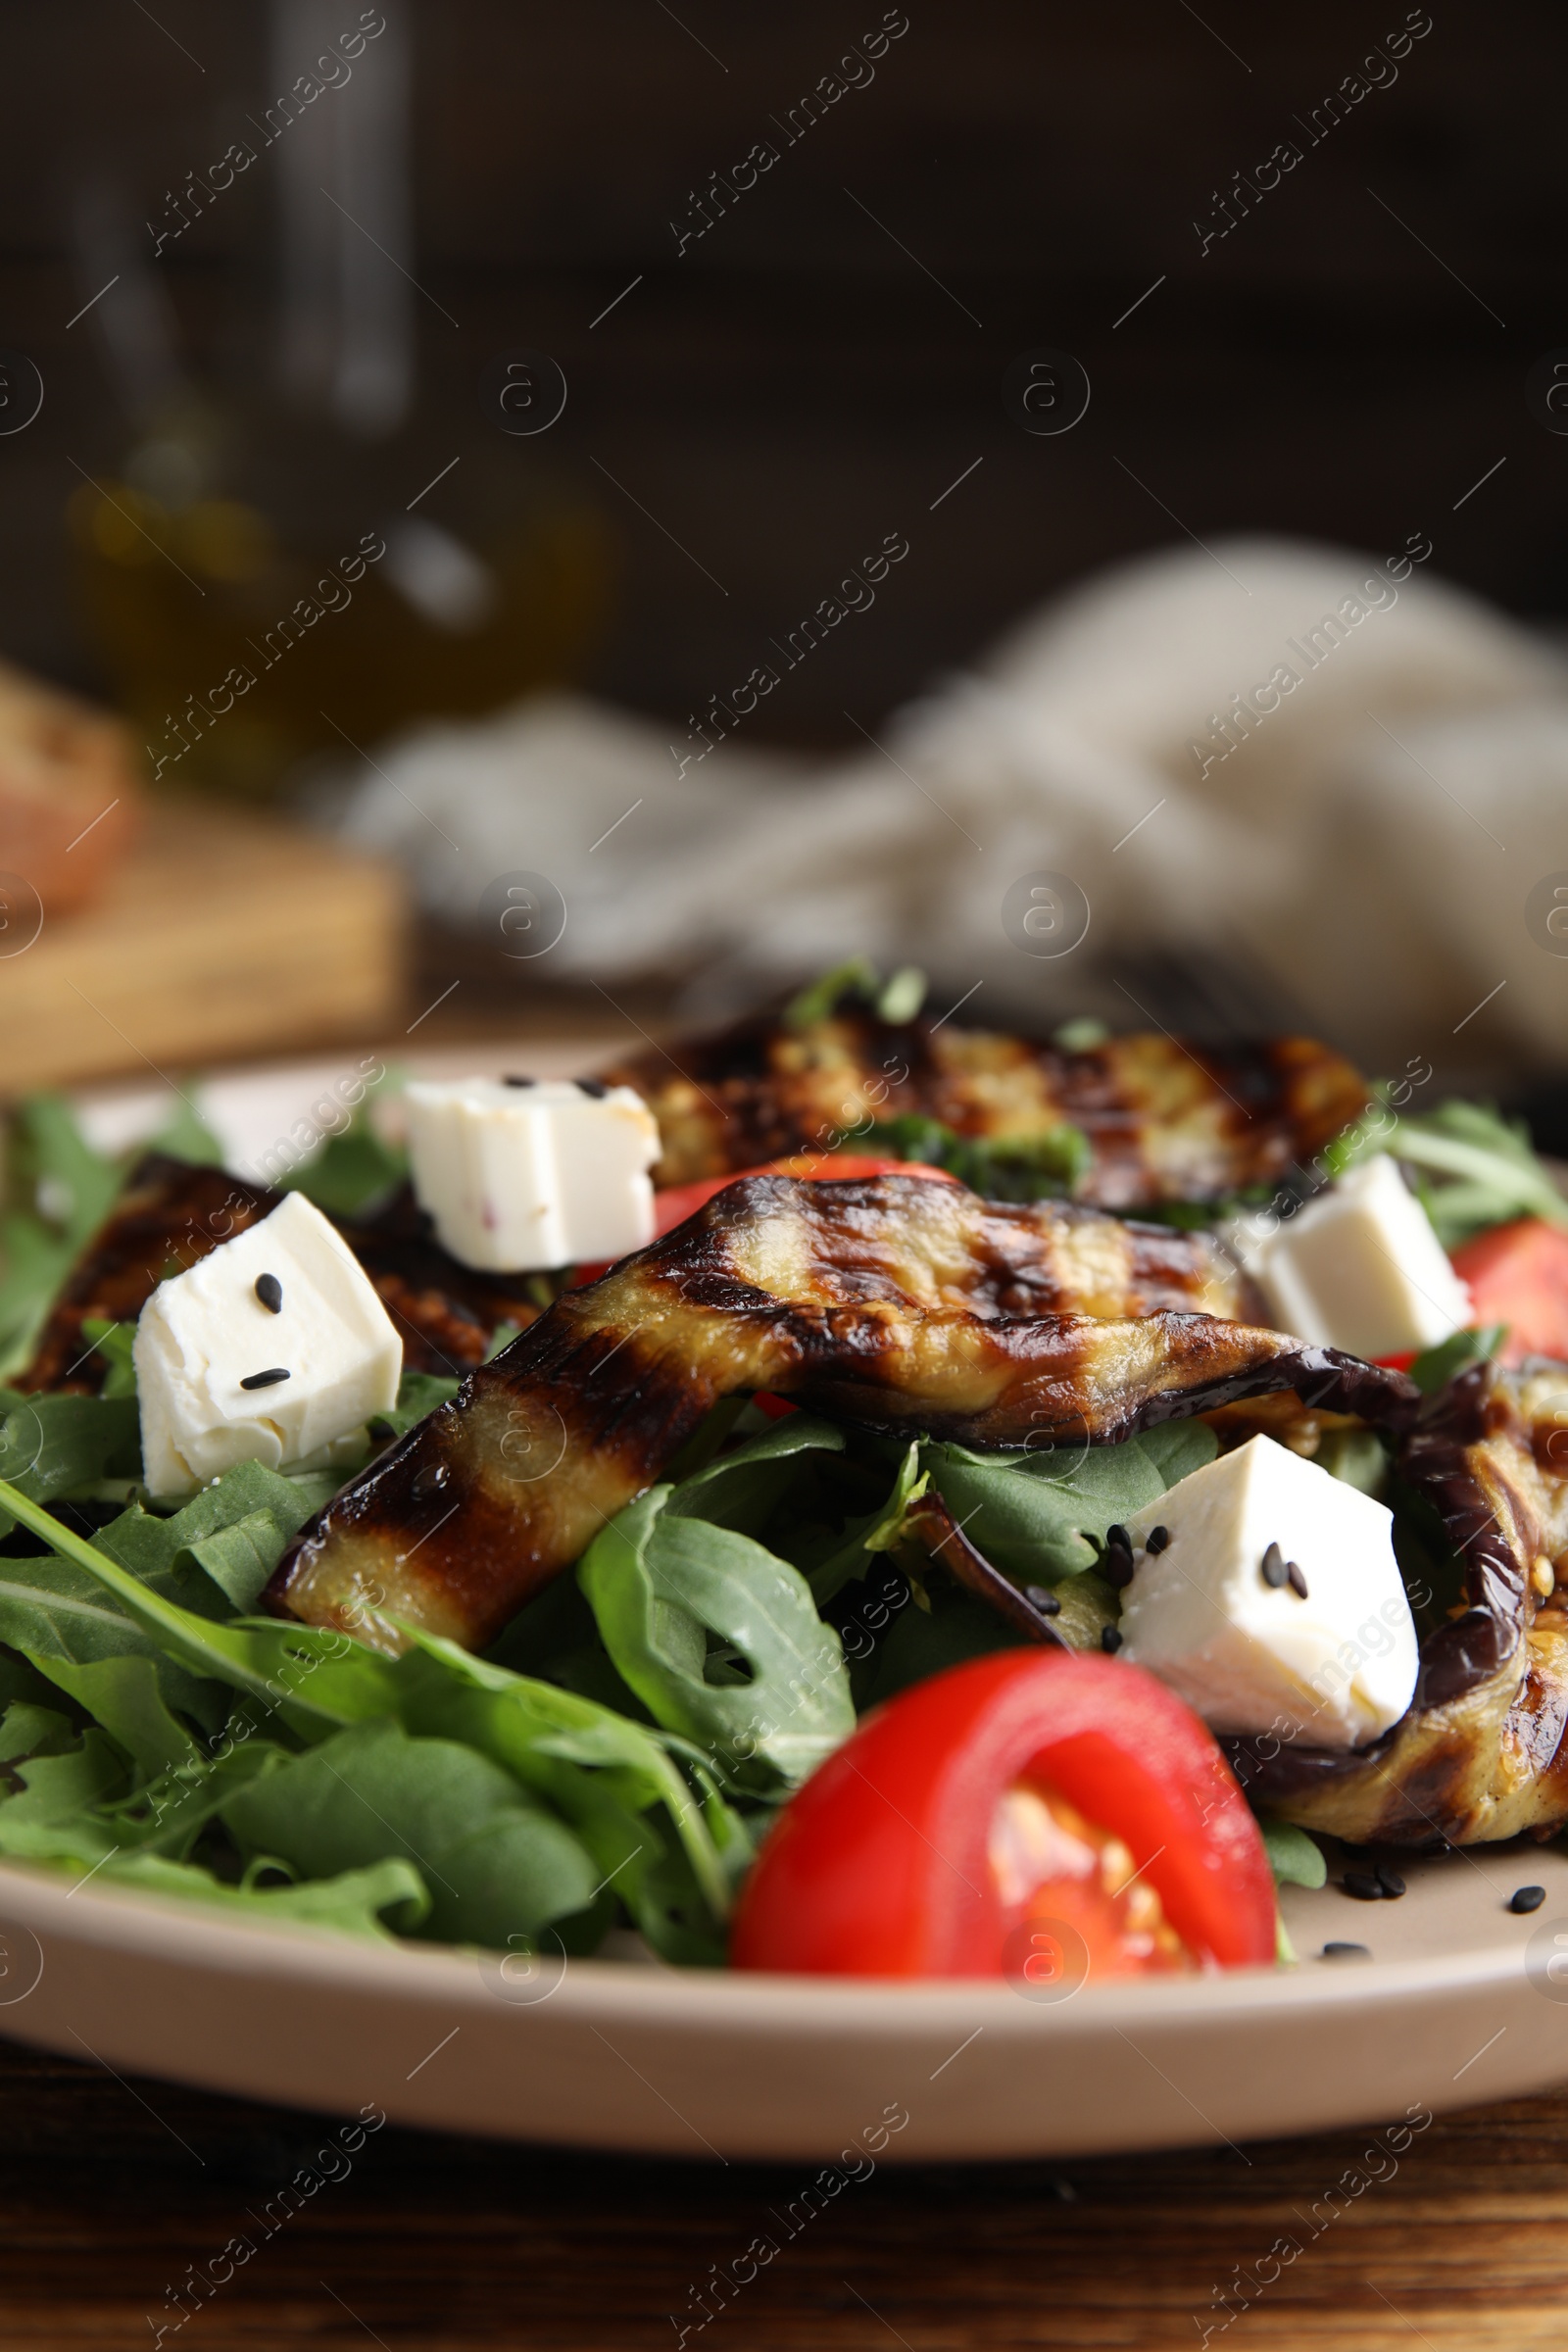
(1481,1169)
(1038,1167)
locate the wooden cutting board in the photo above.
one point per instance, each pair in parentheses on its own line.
(222,934)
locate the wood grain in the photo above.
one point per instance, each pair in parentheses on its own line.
(221,934)
(111,2188)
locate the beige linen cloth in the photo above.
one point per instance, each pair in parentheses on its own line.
(1335,767)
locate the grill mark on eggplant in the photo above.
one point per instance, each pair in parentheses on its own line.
(171,1214)
(1480,1753)
(1166,1122)
(874,1302)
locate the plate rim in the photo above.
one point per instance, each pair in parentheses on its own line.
(112,1917)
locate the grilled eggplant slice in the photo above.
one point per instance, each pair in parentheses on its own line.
(1480,1755)
(1165,1121)
(168,1216)
(902,1304)
(448,1314)
(172,1213)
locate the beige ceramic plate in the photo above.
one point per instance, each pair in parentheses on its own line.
(1460,2001)
(1458,2004)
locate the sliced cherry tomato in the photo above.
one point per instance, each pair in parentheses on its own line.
(970,1821)
(1518,1275)
(678,1201)
(682,1200)
(1398,1364)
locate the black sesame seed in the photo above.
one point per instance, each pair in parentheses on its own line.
(1345,1951)
(1118,1537)
(1042,1600)
(1527,1899)
(1295,1580)
(1389,1881)
(1363,1886)
(428,1481)
(269,1291)
(264,1380)
(1274,1568)
(1110,1639)
(594,1087)
(1158,1538)
(1116,1566)
(508,1080)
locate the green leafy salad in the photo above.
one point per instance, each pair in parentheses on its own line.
(616,1758)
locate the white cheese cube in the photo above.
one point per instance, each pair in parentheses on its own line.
(1250,1654)
(521,1175)
(207,1337)
(1361,1268)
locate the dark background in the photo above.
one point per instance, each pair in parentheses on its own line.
(796,386)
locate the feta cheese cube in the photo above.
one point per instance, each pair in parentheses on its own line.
(275,1348)
(1230,1630)
(1361,1268)
(519,1175)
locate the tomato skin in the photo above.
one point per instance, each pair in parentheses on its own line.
(682,1200)
(777,1408)
(1518,1275)
(879,1866)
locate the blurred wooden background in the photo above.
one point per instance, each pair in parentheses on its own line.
(796,384)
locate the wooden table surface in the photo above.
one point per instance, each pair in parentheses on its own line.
(110,2189)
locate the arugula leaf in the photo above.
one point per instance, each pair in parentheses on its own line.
(828,1564)
(597,1768)
(926,1642)
(312,1677)
(55,1613)
(743,1488)
(1033,1515)
(59,1192)
(1488,1168)
(29,1730)
(113,1342)
(58,1787)
(354,1169)
(57,1829)
(186,1135)
(1082,1035)
(1178,1447)
(1437,1366)
(1354,1456)
(896,999)
(57,1445)
(123,1695)
(350,1905)
(235,1531)
(553,1740)
(1293,1857)
(418,1395)
(819,1000)
(496,1863)
(659,1586)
